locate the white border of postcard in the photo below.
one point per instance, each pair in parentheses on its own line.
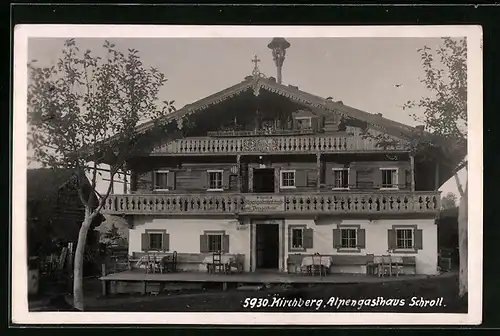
(20,313)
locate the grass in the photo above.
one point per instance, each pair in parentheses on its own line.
(234,301)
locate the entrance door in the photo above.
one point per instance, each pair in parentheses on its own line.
(267,239)
(263,180)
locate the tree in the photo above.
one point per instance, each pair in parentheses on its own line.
(449,201)
(444,136)
(85,110)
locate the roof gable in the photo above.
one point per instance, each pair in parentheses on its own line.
(317,104)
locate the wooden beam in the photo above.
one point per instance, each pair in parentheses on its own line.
(238,163)
(318,171)
(412,172)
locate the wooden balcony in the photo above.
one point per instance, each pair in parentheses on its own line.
(323,203)
(272,144)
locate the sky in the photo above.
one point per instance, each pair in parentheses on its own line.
(377,75)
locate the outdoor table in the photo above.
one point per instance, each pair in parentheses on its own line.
(225,260)
(316,260)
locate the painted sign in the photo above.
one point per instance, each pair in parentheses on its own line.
(271,203)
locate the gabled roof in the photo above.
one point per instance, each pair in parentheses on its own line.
(316,103)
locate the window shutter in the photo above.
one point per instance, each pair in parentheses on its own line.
(361,238)
(203,243)
(144,242)
(418,239)
(300,178)
(171,180)
(352,178)
(336,238)
(166,242)
(401,176)
(145,181)
(204,179)
(225,243)
(329,176)
(225,179)
(377,178)
(391,239)
(308,238)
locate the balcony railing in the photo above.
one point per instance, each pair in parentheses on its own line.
(272,144)
(396,202)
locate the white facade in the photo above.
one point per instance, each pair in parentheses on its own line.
(184,238)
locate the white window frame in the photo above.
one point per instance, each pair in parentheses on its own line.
(394,183)
(221,179)
(149,240)
(412,247)
(301,247)
(294,179)
(304,118)
(348,177)
(154,179)
(355,248)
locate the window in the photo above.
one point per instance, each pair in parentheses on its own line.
(160,180)
(404,239)
(340,178)
(389,178)
(297,238)
(348,239)
(287,179)
(215,180)
(303,122)
(214,242)
(155,241)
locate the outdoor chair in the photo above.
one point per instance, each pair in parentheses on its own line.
(217,265)
(397,265)
(317,267)
(386,265)
(152,263)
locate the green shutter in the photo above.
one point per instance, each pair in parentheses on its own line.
(225,179)
(361,238)
(145,181)
(401,178)
(204,179)
(301,178)
(308,238)
(377,178)
(418,239)
(145,242)
(336,238)
(391,239)
(225,243)
(352,178)
(328,176)
(166,242)
(171,180)
(203,243)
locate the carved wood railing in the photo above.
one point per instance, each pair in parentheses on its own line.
(396,202)
(272,144)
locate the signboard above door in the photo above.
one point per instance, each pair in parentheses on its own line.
(271,203)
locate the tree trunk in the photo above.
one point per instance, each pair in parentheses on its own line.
(462,242)
(78,302)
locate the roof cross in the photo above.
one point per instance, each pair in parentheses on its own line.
(256,71)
